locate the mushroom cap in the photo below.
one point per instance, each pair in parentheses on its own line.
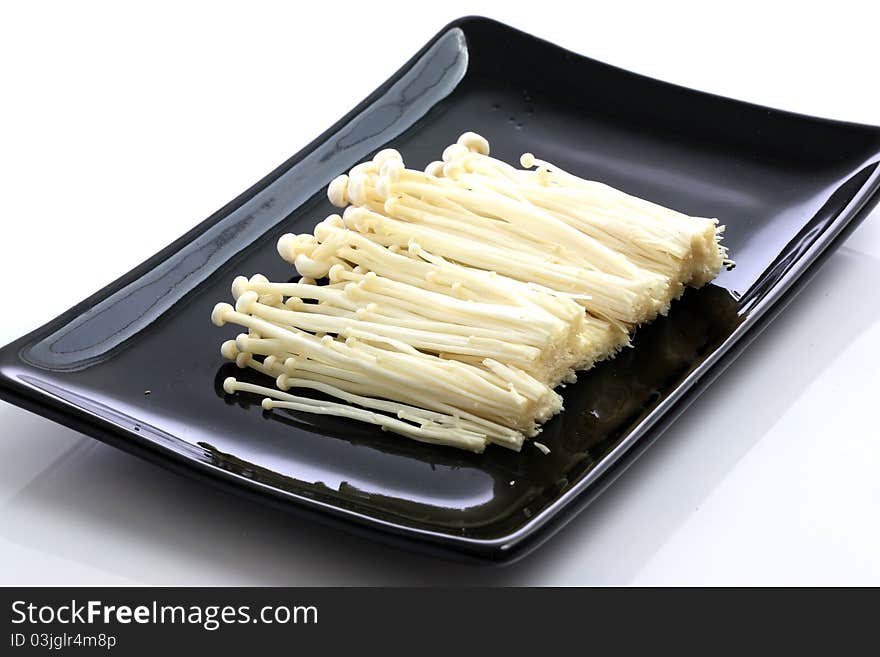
(383,187)
(229,350)
(337,191)
(324,230)
(287,246)
(357,188)
(220,312)
(241,341)
(474,143)
(239,286)
(435,169)
(392,169)
(387,155)
(311,268)
(454,152)
(453,169)
(336,271)
(245,303)
(364,168)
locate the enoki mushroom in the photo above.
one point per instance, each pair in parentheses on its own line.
(452,301)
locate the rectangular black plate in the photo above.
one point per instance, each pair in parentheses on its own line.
(788,188)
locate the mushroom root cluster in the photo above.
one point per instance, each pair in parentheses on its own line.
(446,304)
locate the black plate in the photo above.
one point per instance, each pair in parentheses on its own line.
(788,188)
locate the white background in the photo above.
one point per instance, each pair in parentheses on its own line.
(120,128)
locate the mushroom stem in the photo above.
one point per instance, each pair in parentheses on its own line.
(458,297)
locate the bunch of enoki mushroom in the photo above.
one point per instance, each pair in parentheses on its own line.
(446,304)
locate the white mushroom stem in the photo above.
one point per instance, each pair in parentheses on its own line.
(414,266)
(436,341)
(615,298)
(528,219)
(427,431)
(458,296)
(340,383)
(449,382)
(428,286)
(630,220)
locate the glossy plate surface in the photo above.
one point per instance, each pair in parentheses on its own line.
(787,187)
